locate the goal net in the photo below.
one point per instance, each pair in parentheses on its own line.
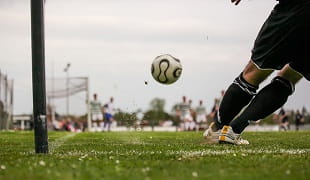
(67,96)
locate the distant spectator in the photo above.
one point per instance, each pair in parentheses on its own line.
(57,126)
(177,118)
(191,109)
(214,110)
(201,114)
(186,117)
(191,123)
(168,123)
(299,119)
(283,118)
(304,111)
(216,107)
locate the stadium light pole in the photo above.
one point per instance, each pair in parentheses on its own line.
(38,76)
(66,70)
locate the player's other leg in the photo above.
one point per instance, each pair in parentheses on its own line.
(95,122)
(269,99)
(110,120)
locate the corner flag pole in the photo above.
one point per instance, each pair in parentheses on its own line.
(38,76)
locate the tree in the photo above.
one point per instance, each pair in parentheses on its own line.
(156,112)
(158,105)
(126,119)
(176,117)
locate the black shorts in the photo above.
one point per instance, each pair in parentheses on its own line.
(285,38)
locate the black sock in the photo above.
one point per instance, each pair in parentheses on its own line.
(269,99)
(238,95)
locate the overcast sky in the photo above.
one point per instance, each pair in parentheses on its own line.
(113,42)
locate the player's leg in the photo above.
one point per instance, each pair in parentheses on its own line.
(278,43)
(94,122)
(110,122)
(240,93)
(100,122)
(269,99)
(292,22)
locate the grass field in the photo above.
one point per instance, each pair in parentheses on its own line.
(147,155)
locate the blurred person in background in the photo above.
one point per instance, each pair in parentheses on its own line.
(201,115)
(109,111)
(96,113)
(299,119)
(283,120)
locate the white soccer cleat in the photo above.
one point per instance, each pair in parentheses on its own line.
(211,136)
(227,135)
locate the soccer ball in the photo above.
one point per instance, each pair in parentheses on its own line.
(166,69)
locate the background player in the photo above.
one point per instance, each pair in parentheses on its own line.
(108,114)
(186,117)
(96,113)
(201,115)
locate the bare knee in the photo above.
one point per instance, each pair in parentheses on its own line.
(253,75)
(290,74)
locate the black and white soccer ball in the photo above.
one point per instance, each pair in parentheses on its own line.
(166,69)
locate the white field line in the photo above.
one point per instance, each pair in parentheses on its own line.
(55,144)
(187,154)
(135,141)
(59,142)
(244,152)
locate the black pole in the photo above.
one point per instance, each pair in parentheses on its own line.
(38,76)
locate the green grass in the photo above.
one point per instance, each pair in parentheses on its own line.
(147,155)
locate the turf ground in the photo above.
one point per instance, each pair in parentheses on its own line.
(153,155)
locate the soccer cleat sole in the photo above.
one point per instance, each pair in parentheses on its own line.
(225,142)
